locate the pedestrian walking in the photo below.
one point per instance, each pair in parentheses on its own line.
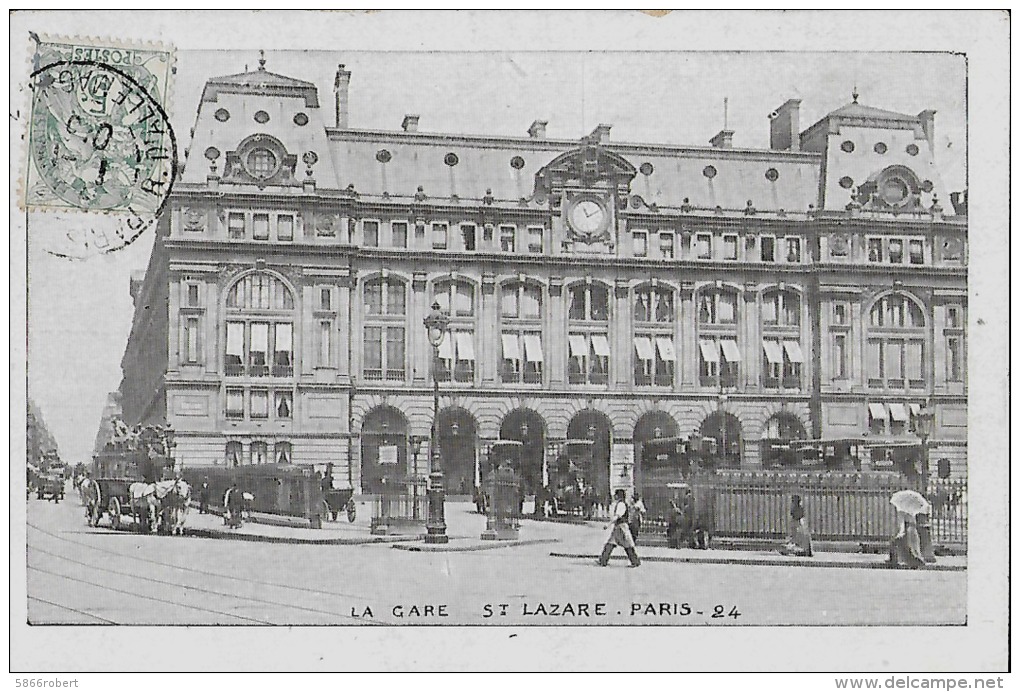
(635,513)
(799,542)
(619,532)
(234,505)
(203,497)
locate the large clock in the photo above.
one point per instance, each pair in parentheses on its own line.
(588,217)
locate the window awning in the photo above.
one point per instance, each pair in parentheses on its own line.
(578,346)
(793,351)
(665,346)
(773,352)
(283,336)
(465,346)
(235,338)
(600,344)
(533,348)
(511,347)
(260,337)
(709,351)
(898,412)
(446,348)
(730,351)
(877,411)
(915,409)
(643,346)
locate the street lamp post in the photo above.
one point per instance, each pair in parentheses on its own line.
(416,443)
(925,423)
(437,324)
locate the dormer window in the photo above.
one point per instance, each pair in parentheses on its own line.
(261,164)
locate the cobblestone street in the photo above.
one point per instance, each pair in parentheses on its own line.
(81,575)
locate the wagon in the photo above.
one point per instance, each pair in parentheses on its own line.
(338,501)
(50,486)
(113,475)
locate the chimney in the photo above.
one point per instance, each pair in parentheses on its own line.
(600,134)
(784,132)
(723,140)
(410,123)
(927,119)
(340,87)
(537,129)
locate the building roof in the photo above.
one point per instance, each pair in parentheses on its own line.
(260,81)
(858,110)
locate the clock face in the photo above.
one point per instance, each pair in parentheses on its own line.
(587,217)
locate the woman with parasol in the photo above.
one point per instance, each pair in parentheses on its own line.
(905,547)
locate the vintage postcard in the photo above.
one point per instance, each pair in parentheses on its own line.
(550,341)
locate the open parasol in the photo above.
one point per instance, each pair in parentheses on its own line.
(911,502)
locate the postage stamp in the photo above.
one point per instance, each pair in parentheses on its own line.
(99,138)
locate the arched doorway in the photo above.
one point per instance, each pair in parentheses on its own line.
(383,450)
(457,444)
(721,439)
(528,428)
(595,426)
(779,431)
(654,425)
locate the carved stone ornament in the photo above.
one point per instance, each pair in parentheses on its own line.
(193,219)
(326,224)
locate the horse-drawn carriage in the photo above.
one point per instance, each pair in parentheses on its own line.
(572,482)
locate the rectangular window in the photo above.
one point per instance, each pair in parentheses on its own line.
(507,238)
(589,358)
(704,242)
(191,340)
(840,313)
(235,403)
(893,363)
(394,353)
(283,404)
(371,230)
(258,351)
(468,233)
(325,299)
(399,230)
(709,361)
(914,355)
(666,245)
(373,354)
(729,247)
(874,249)
(439,236)
(464,368)
(510,370)
(896,250)
(260,226)
(768,248)
(793,249)
(640,239)
(535,244)
(953,320)
(192,299)
(533,357)
(325,328)
(259,403)
(285,227)
(235,226)
(954,358)
(233,361)
(874,363)
(283,348)
(916,249)
(774,359)
(839,357)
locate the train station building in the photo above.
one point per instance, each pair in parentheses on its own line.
(597,290)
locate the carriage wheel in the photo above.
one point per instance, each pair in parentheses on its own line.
(114,509)
(95,514)
(352,510)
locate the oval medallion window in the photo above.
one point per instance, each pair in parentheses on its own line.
(647,168)
(881,148)
(772,175)
(517,163)
(451,159)
(261,117)
(709,172)
(222,114)
(212,153)
(847,146)
(894,191)
(383,156)
(300,119)
(846,182)
(912,149)
(927,186)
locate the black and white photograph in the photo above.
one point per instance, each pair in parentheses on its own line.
(524,342)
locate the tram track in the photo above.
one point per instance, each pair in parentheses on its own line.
(68,608)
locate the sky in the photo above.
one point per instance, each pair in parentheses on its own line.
(80,311)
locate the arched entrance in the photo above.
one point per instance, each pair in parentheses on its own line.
(383,450)
(528,428)
(779,431)
(654,425)
(595,426)
(721,443)
(457,443)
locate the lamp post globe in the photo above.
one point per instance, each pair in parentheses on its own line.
(437,324)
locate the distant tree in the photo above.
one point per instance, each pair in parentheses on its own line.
(41,444)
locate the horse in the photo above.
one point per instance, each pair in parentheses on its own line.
(144,506)
(91,500)
(175,499)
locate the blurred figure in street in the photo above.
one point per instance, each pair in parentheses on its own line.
(203,496)
(619,532)
(674,535)
(635,513)
(905,547)
(799,542)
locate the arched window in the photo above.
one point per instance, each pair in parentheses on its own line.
(284,453)
(717,338)
(654,350)
(232,457)
(521,313)
(781,308)
(588,339)
(259,330)
(896,346)
(721,435)
(457,350)
(259,453)
(384,343)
